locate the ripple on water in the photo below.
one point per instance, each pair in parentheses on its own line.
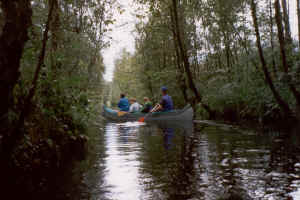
(152,162)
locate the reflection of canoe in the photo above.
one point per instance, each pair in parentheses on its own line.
(186,126)
(185,114)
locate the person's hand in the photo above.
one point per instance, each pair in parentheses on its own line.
(156,108)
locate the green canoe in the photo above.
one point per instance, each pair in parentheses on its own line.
(185,114)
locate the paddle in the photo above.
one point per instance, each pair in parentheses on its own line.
(142,119)
(121,113)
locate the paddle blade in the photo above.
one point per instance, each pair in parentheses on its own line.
(142,119)
(121,113)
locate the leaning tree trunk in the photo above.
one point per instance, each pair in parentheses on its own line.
(272,38)
(287,26)
(17,15)
(10,141)
(181,78)
(284,60)
(283,105)
(177,36)
(54,28)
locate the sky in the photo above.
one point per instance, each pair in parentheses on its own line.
(123,37)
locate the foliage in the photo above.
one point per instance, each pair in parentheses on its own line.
(126,78)
(219,41)
(70,82)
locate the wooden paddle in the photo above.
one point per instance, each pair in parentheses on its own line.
(142,119)
(121,113)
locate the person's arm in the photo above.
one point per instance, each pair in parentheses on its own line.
(161,104)
(156,108)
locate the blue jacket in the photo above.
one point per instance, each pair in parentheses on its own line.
(166,103)
(124,104)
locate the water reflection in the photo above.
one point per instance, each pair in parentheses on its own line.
(179,161)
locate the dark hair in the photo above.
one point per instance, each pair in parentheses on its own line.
(122,95)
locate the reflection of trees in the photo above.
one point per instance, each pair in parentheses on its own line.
(241,165)
(227,163)
(212,163)
(92,171)
(75,181)
(170,166)
(284,154)
(184,179)
(217,161)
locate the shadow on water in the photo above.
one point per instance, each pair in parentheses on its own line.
(185,161)
(182,161)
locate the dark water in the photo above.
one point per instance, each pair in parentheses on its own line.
(134,161)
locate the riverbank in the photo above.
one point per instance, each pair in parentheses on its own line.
(48,152)
(32,166)
(250,118)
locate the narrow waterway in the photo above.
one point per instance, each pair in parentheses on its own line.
(135,161)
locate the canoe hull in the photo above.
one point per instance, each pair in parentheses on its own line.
(185,114)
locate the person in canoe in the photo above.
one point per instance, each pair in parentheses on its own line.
(134,105)
(147,105)
(123,103)
(166,102)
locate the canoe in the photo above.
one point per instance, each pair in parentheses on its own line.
(185,114)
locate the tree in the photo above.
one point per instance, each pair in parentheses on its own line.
(285,63)
(286,20)
(17,15)
(211,48)
(281,102)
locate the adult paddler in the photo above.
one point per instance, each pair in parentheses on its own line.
(166,102)
(123,103)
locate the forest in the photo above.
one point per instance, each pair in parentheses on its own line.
(51,74)
(232,60)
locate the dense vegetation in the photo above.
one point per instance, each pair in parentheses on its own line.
(51,74)
(232,60)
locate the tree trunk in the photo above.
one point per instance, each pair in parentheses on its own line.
(181,78)
(54,25)
(186,63)
(283,105)
(227,50)
(12,40)
(272,38)
(285,63)
(298,15)
(287,26)
(54,28)
(12,139)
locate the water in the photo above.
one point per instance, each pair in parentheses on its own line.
(206,161)
(135,161)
